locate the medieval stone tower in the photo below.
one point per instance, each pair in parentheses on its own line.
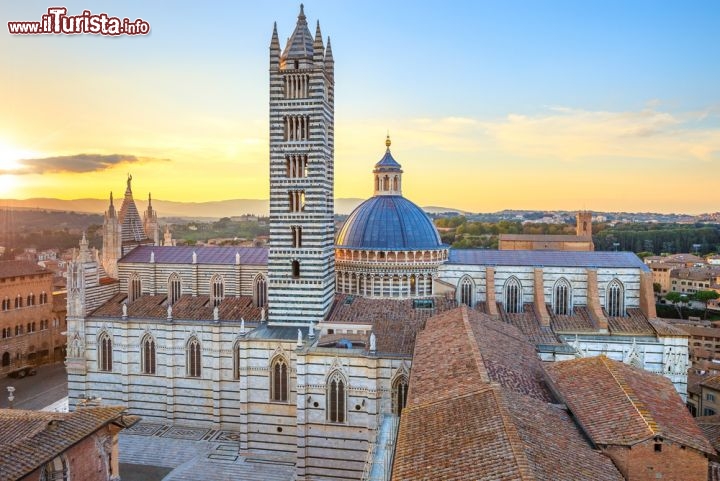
(583,226)
(301,256)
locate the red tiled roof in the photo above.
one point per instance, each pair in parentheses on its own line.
(30,439)
(474,420)
(713,382)
(21,268)
(188,307)
(634,323)
(664,328)
(710,426)
(528,324)
(618,404)
(394,321)
(693,383)
(699,331)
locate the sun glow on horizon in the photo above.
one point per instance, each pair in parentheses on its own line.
(10,157)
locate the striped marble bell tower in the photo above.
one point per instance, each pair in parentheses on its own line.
(301,264)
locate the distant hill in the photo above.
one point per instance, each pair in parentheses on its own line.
(165,208)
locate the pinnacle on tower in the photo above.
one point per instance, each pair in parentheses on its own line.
(318,48)
(111,208)
(274,49)
(329,61)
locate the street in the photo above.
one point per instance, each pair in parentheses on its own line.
(36,392)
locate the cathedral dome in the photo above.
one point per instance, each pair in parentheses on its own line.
(388,222)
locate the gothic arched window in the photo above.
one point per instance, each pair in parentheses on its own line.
(105,352)
(6,359)
(260,291)
(399,394)
(174,288)
(466,291)
(296,268)
(193,357)
(147,360)
(134,287)
(562,297)
(513,295)
(217,289)
(55,470)
(335,398)
(615,299)
(279,379)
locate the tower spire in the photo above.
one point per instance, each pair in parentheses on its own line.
(111,208)
(318,48)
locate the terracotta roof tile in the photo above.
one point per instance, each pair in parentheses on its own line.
(502,434)
(30,439)
(20,268)
(710,426)
(634,323)
(188,307)
(618,404)
(395,321)
(664,328)
(528,324)
(713,382)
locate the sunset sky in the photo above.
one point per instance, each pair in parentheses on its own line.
(601,105)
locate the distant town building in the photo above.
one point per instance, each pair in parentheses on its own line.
(689,280)
(581,241)
(713,260)
(32,324)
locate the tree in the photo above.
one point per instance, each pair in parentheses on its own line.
(676,297)
(704,297)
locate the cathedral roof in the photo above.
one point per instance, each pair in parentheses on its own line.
(389,222)
(204,255)
(505,406)
(186,308)
(546,258)
(300,43)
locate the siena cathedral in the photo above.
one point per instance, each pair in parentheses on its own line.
(305,346)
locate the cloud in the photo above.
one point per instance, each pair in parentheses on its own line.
(78,163)
(572,135)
